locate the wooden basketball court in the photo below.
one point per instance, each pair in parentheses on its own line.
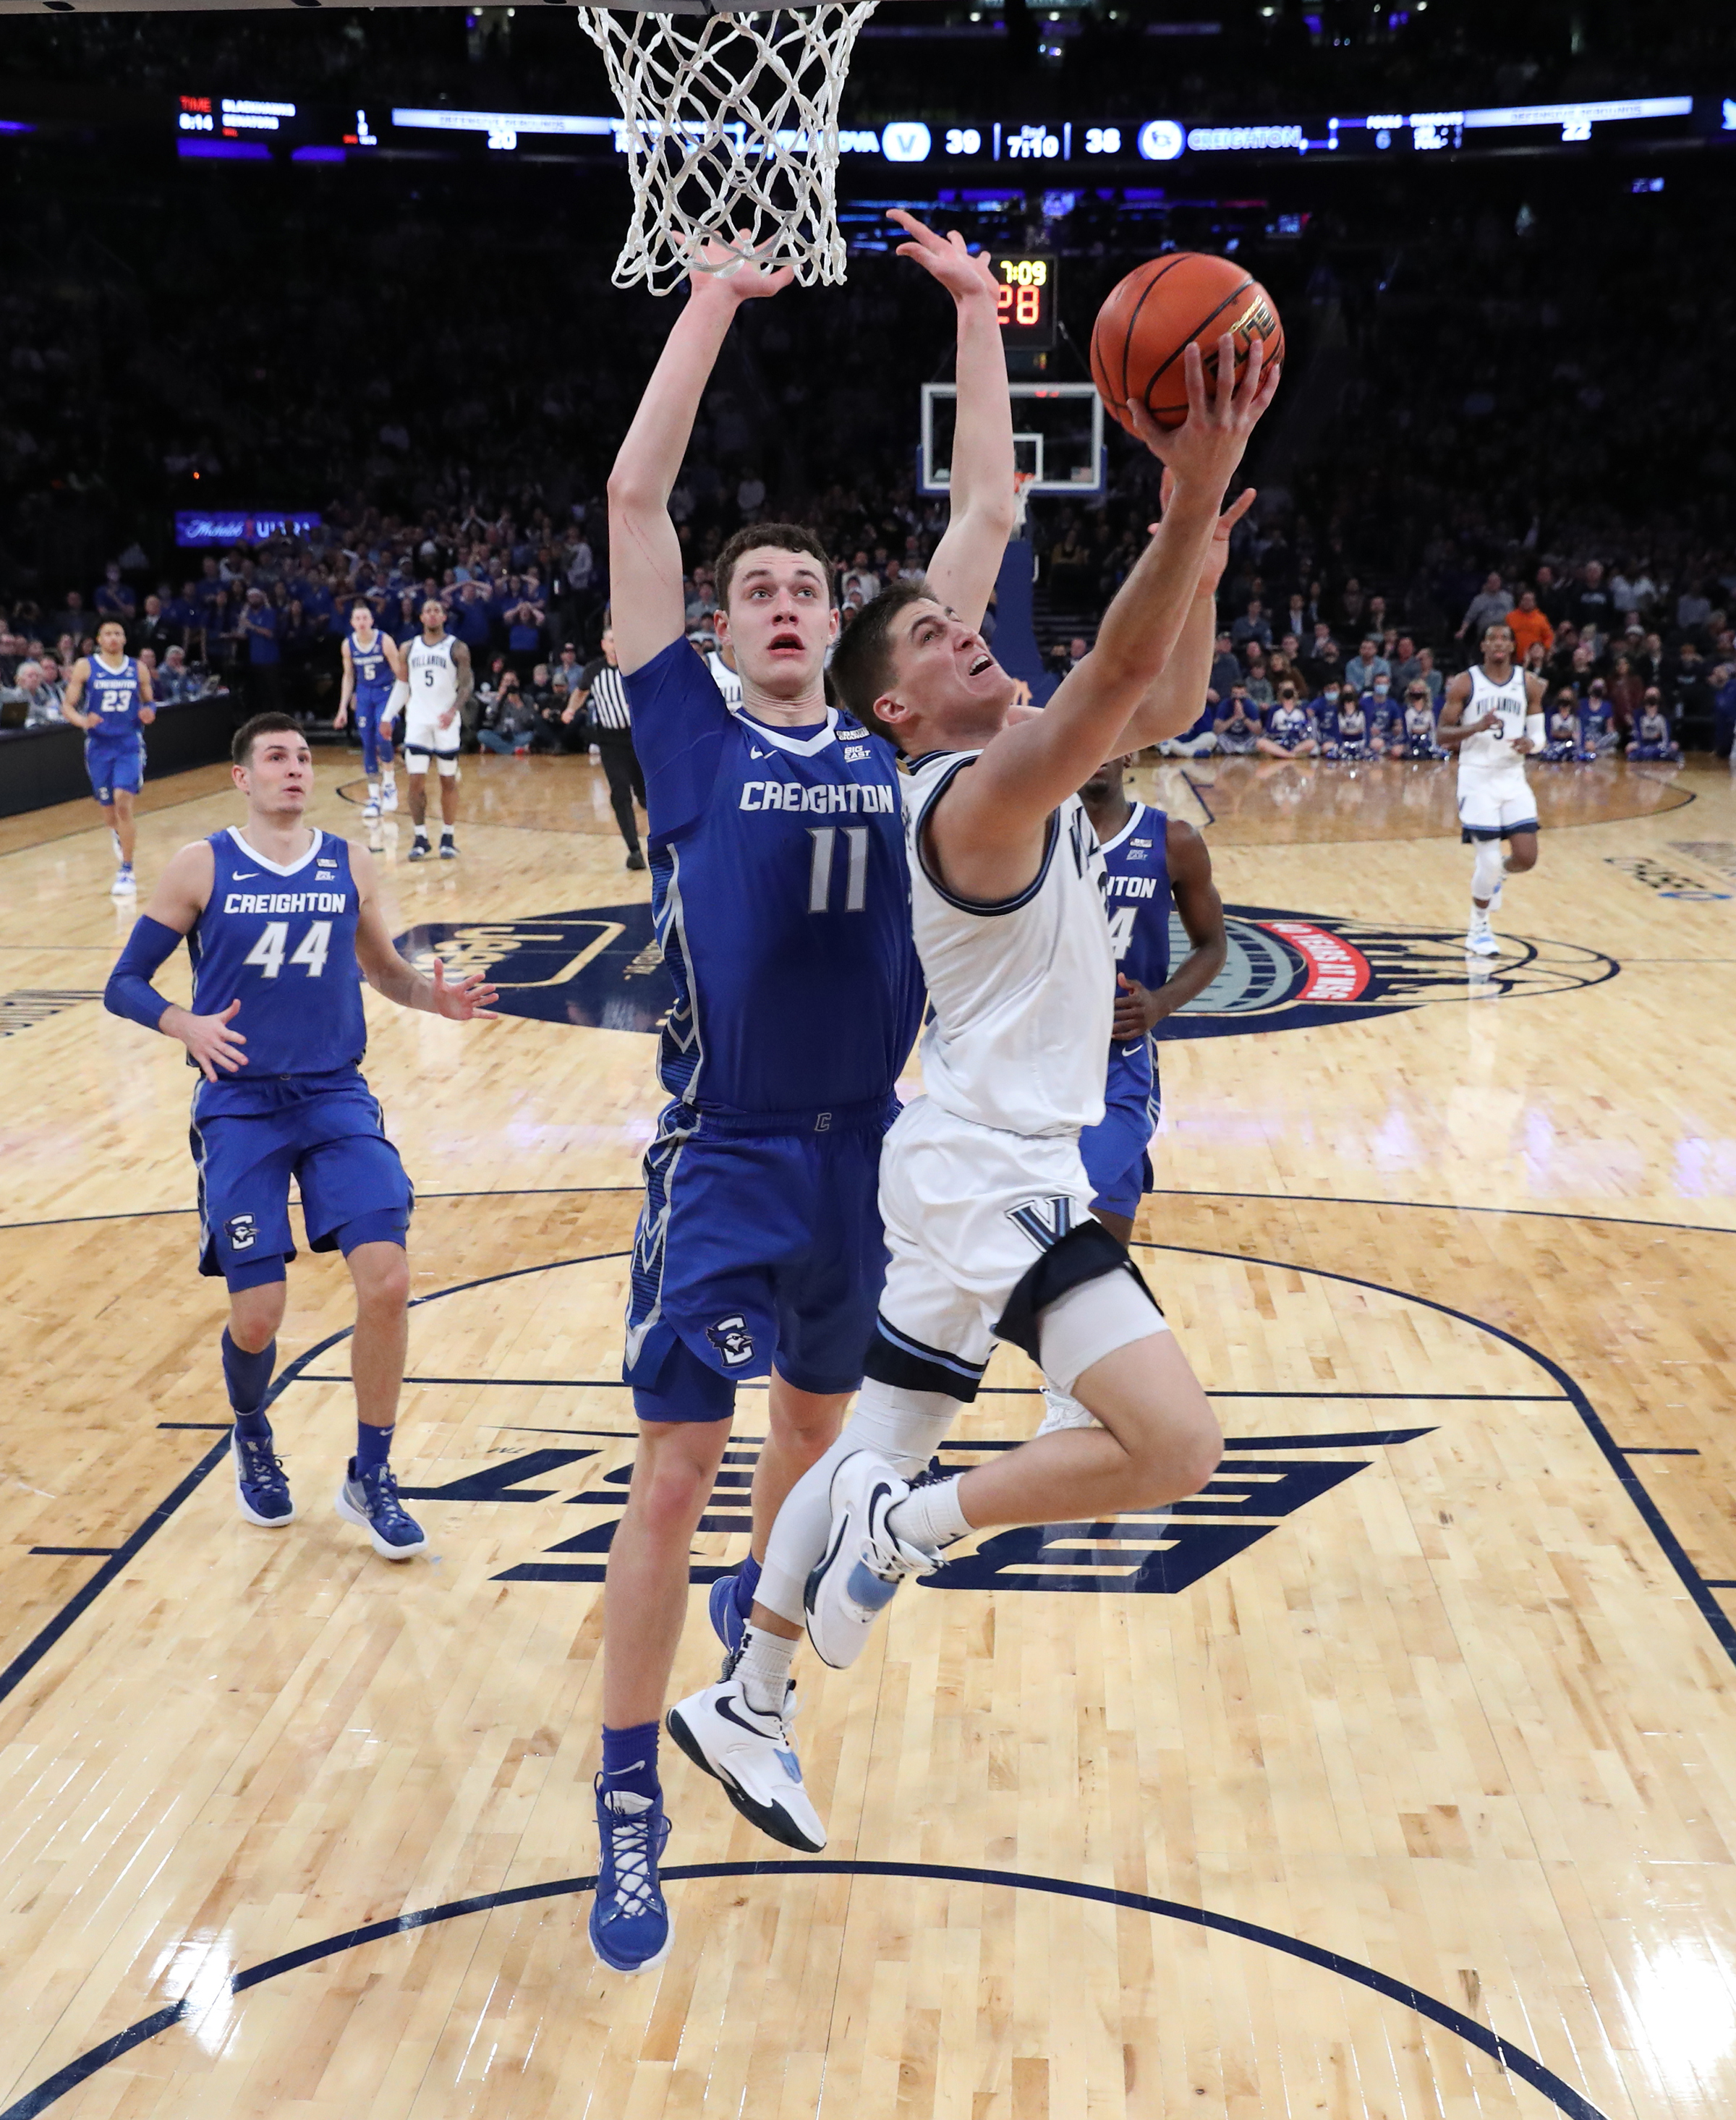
(1395,1775)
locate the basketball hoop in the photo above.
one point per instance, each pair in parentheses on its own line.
(729,123)
(1022,482)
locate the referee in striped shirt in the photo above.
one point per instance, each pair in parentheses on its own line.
(601,694)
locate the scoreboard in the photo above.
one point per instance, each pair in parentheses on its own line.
(1026,294)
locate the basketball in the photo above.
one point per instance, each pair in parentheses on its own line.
(1147,324)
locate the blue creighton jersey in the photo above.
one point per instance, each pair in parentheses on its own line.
(114,695)
(781,898)
(282,942)
(372,672)
(1137,891)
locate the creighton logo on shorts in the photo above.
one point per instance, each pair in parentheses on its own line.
(732,1339)
(1045,1222)
(241,1233)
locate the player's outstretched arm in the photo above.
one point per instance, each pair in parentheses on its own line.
(346,690)
(987,831)
(1173,704)
(395,976)
(647,607)
(968,558)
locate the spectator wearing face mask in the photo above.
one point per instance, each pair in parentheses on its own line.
(1651,738)
(1382,712)
(1417,727)
(1290,731)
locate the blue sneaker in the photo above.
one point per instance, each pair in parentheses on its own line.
(630,1925)
(261,1489)
(729,1622)
(370,1502)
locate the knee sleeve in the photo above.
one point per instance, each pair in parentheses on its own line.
(1093,1320)
(906,1427)
(1488,869)
(449,768)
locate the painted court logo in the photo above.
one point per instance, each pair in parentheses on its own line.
(601,967)
(1260,1485)
(1294,971)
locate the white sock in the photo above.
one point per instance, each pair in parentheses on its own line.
(906,1427)
(931,1518)
(763,1668)
(373,791)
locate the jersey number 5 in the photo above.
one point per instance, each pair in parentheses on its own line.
(311,951)
(820,873)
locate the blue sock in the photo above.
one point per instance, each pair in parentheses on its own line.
(630,1761)
(373,1447)
(247,1378)
(747,1582)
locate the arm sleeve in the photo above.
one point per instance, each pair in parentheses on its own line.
(129,991)
(679,726)
(1535,729)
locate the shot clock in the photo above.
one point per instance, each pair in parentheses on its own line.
(1024,298)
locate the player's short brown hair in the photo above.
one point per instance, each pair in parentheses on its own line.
(781,538)
(241,751)
(862,665)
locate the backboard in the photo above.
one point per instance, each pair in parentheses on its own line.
(1057,434)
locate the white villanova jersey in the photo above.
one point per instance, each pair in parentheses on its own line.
(1023,990)
(1492,752)
(433,677)
(728,681)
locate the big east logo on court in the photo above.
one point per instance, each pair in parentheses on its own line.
(600,967)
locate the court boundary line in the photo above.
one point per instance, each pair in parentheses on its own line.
(1514,2060)
(1157,1192)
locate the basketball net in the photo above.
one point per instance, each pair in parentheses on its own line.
(730,127)
(1021,484)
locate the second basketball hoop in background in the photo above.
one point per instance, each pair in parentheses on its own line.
(730,122)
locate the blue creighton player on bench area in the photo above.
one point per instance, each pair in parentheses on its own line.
(782,902)
(282,923)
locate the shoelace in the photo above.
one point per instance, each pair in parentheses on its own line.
(630,1857)
(260,1466)
(381,1489)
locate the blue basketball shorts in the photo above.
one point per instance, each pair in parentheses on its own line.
(376,742)
(332,1141)
(755,1247)
(1114,1150)
(115,761)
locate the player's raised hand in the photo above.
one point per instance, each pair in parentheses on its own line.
(726,269)
(209,1039)
(1207,446)
(470,997)
(945,258)
(1218,552)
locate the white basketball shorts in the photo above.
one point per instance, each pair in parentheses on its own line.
(1493,804)
(423,735)
(969,1211)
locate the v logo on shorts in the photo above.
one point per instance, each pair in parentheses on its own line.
(1045,1222)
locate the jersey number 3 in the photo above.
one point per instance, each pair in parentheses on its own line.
(267,953)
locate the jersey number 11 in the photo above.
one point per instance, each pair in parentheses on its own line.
(819,874)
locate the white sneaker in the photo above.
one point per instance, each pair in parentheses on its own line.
(125,883)
(1480,941)
(370,810)
(753,1755)
(864,1561)
(388,795)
